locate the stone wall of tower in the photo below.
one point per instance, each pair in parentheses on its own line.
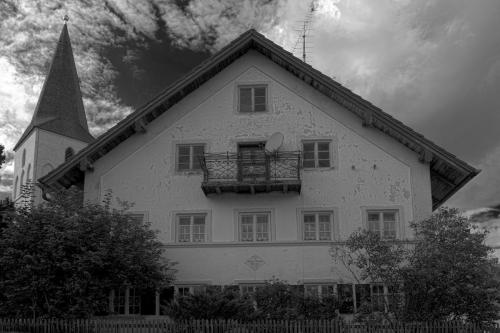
(44,151)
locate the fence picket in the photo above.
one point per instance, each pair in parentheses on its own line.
(222,326)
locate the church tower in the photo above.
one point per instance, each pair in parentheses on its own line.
(58,128)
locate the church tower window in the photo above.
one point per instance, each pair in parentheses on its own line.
(69,153)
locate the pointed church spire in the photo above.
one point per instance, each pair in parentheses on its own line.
(60,107)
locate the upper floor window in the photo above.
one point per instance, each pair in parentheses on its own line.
(68,153)
(23,159)
(188,157)
(191,228)
(254,227)
(383,222)
(317,226)
(252,98)
(316,154)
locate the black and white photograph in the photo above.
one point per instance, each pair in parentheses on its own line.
(284,166)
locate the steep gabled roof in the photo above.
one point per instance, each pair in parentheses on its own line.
(448,173)
(60,106)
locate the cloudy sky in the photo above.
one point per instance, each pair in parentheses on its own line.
(433,64)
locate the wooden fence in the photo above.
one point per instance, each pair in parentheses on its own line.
(222,326)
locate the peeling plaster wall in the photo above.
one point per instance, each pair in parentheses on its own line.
(370,170)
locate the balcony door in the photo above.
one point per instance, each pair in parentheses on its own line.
(252,162)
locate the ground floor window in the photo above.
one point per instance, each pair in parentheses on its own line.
(135,301)
(250,288)
(185,290)
(319,290)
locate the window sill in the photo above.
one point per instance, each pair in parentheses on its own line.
(318,169)
(188,172)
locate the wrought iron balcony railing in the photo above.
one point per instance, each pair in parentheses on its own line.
(251,172)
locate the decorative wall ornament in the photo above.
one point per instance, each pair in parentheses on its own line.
(255,262)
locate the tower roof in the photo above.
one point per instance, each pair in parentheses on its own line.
(60,107)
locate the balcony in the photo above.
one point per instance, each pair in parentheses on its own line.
(256,172)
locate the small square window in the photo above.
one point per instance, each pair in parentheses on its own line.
(188,157)
(316,154)
(317,226)
(191,228)
(252,98)
(383,222)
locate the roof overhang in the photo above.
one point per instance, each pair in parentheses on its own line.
(448,173)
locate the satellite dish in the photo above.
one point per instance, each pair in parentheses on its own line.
(274,142)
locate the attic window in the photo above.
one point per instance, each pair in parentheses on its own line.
(252,98)
(69,153)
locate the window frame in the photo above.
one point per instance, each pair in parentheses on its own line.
(334,223)
(252,86)
(254,212)
(138,214)
(253,285)
(175,228)
(192,289)
(317,230)
(177,145)
(126,298)
(315,141)
(319,289)
(398,224)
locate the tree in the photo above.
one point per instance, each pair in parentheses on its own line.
(2,155)
(450,274)
(62,258)
(370,259)
(446,275)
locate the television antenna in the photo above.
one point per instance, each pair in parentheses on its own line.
(305,31)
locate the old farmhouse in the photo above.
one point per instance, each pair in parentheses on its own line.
(251,165)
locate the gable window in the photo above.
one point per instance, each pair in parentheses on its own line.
(188,157)
(383,222)
(317,226)
(316,154)
(191,228)
(254,227)
(23,159)
(252,98)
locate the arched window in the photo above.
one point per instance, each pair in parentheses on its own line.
(46,169)
(22,178)
(69,153)
(28,173)
(16,184)
(23,158)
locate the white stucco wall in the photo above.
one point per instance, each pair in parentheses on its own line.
(369,169)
